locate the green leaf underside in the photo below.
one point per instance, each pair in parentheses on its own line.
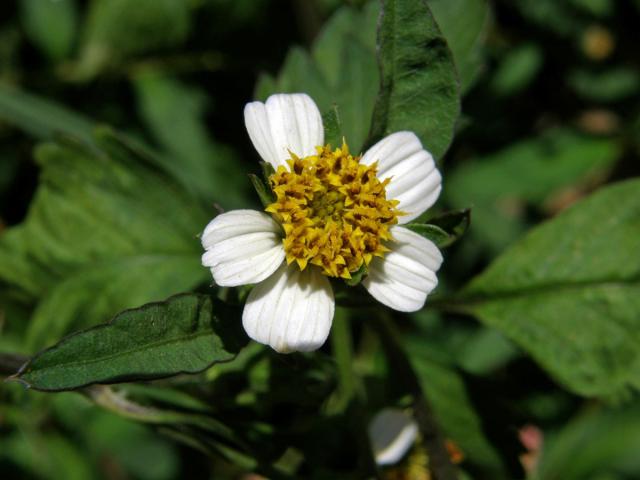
(104,232)
(419,86)
(569,293)
(183,334)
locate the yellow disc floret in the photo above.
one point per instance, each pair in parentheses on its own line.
(333,210)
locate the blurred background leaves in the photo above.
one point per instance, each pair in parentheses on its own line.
(97,219)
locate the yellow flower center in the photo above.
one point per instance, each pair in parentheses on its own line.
(334,211)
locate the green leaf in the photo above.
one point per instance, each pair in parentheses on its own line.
(532,172)
(569,293)
(596,440)
(175,115)
(340,72)
(106,231)
(446,392)
(431,232)
(444,230)
(41,118)
(50,25)
(185,334)
(419,86)
(465,25)
(328,49)
(262,189)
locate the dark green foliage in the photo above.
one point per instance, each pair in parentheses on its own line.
(122,136)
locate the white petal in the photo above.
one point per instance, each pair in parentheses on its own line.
(415,180)
(286,122)
(407,274)
(291,310)
(242,246)
(392,433)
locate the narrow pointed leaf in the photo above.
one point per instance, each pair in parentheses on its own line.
(184,334)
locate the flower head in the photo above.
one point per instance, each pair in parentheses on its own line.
(334,214)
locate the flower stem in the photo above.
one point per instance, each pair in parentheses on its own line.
(351,396)
(342,344)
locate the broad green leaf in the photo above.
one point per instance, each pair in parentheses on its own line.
(569,293)
(116,29)
(174,113)
(50,25)
(185,334)
(40,117)
(597,440)
(105,232)
(532,172)
(419,86)
(465,25)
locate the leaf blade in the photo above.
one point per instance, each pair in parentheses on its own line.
(419,87)
(180,335)
(570,295)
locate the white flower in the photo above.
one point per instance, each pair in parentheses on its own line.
(392,433)
(334,214)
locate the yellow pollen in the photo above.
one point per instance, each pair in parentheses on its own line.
(333,210)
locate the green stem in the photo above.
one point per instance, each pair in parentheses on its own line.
(351,398)
(342,344)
